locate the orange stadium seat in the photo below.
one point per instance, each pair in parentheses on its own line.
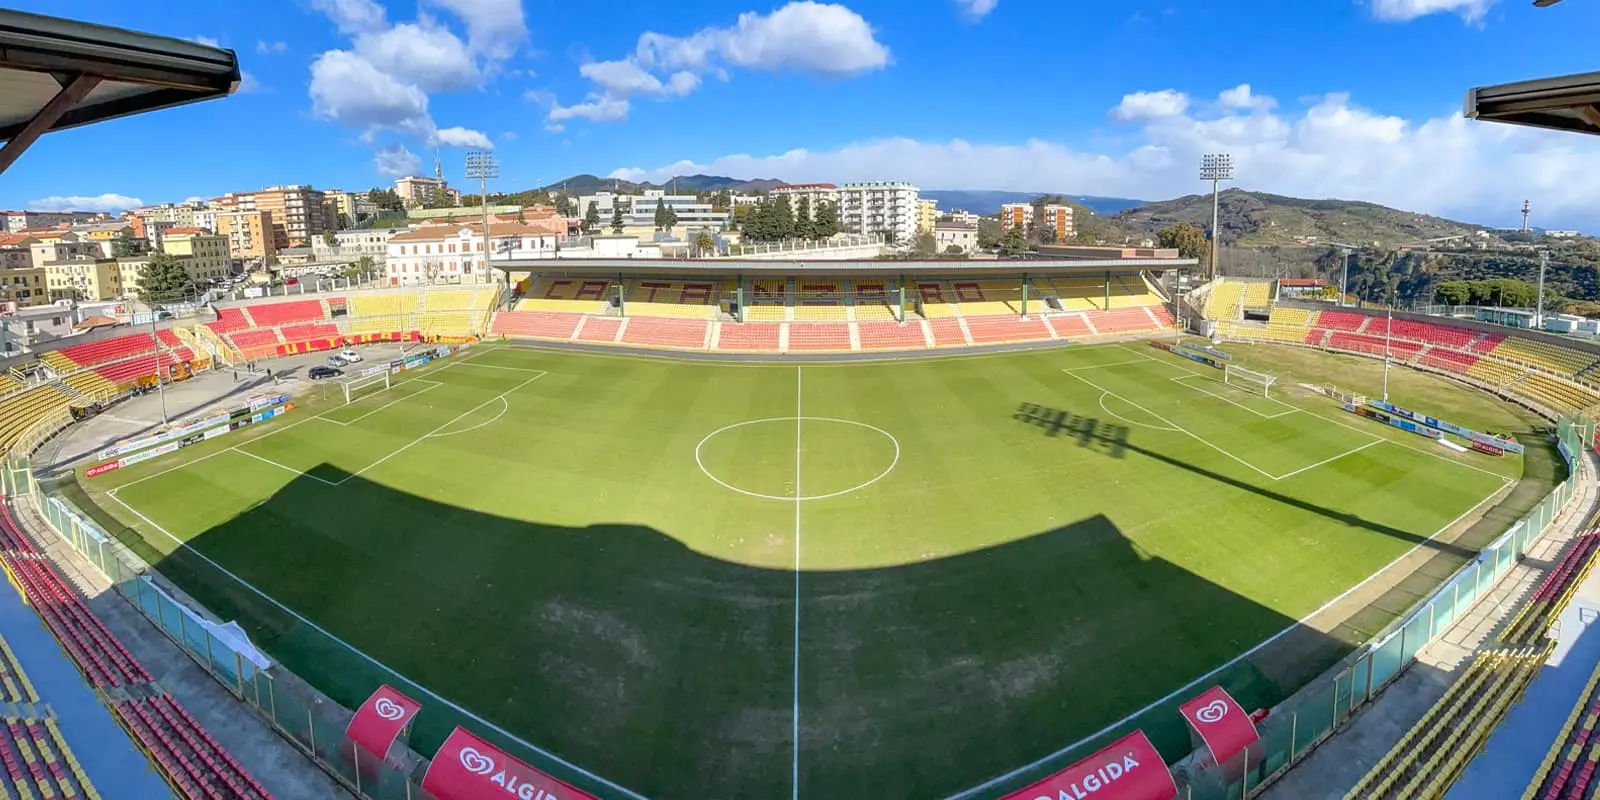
(947,332)
(599,329)
(819,336)
(751,336)
(267,315)
(879,335)
(536,324)
(666,332)
(1006,328)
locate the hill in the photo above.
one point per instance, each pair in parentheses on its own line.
(987,202)
(1256,219)
(686,184)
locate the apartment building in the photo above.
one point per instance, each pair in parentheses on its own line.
(21,283)
(103,234)
(348,208)
(297,212)
(420,190)
(954,234)
(352,245)
(250,235)
(886,208)
(61,248)
(18,221)
(1058,220)
(85,279)
(691,213)
(927,215)
(815,193)
(205,255)
(964,217)
(453,253)
(179,214)
(1016,215)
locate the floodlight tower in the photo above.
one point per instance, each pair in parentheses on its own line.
(1538,302)
(481,165)
(1526,207)
(1344,268)
(1215,167)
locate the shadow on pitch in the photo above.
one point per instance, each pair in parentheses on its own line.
(1094,435)
(671,671)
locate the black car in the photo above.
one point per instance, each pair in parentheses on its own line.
(318,373)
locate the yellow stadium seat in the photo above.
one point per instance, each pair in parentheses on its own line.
(819,299)
(766,300)
(872,300)
(679,299)
(568,295)
(937,298)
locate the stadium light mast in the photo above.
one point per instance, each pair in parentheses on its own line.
(1538,302)
(1215,167)
(1388,336)
(1344,269)
(481,165)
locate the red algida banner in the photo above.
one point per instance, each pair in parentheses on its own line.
(469,768)
(1128,769)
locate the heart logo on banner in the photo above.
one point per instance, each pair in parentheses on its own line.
(1212,712)
(476,762)
(388,709)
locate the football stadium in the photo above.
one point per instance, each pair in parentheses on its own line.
(627,528)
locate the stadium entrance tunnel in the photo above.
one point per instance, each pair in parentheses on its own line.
(672,672)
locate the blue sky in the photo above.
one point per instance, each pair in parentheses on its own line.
(1315,98)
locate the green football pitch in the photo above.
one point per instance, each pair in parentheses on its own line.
(767,580)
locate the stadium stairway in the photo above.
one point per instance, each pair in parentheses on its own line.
(191,761)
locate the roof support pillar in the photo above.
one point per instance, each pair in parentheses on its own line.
(69,96)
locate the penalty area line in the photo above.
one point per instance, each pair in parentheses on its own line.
(183,545)
(1175,694)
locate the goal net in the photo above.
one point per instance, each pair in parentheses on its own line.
(1248,379)
(357,388)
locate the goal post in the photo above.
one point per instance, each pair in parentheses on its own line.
(1249,379)
(357,388)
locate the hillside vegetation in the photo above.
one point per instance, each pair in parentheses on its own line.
(1255,219)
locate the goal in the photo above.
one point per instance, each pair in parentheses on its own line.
(1248,379)
(356,388)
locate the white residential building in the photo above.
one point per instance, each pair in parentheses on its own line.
(886,208)
(417,191)
(352,245)
(955,234)
(451,253)
(14,221)
(964,217)
(641,209)
(1016,215)
(815,193)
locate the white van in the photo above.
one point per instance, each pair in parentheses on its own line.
(349,354)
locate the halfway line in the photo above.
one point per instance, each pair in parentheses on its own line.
(798,499)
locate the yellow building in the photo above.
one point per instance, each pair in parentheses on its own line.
(204,254)
(249,235)
(23,287)
(927,215)
(84,279)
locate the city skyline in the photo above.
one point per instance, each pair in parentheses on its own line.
(861,91)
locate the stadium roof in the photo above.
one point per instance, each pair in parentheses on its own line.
(875,267)
(1568,103)
(57,74)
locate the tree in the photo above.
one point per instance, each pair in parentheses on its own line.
(954,250)
(617,221)
(329,239)
(804,227)
(125,245)
(565,206)
(782,218)
(721,200)
(704,243)
(1014,242)
(925,244)
(1189,240)
(825,220)
(989,233)
(591,218)
(666,218)
(520,218)
(164,280)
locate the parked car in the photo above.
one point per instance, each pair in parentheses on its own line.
(350,355)
(335,361)
(321,373)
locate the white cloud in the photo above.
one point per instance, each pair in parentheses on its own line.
(395,161)
(554,127)
(353,16)
(597,109)
(205,40)
(977,9)
(194,198)
(1332,148)
(463,137)
(348,89)
(248,83)
(803,36)
(426,56)
(494,27)
(270,48)
(629,174)
(1241,97)
(1150,105)
(101,202)
(1407,10)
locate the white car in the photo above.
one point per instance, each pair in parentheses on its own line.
(350,355)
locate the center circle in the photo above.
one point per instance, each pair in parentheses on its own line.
(783,458)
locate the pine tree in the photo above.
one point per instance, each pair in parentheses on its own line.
(825,223)
(782,219)
(803,226)
(164,280)
(591,218)
(617,221)
(661,216)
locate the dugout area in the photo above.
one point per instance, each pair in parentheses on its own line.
(937,571)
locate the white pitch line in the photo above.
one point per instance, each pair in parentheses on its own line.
(379,664)
(1173,695)
(1112,364)
(284,467)
(1170,423)
(1181,378)
(799,498)
(429,434)
(431,386)
(497,366)
(505,406)
(1353,451)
